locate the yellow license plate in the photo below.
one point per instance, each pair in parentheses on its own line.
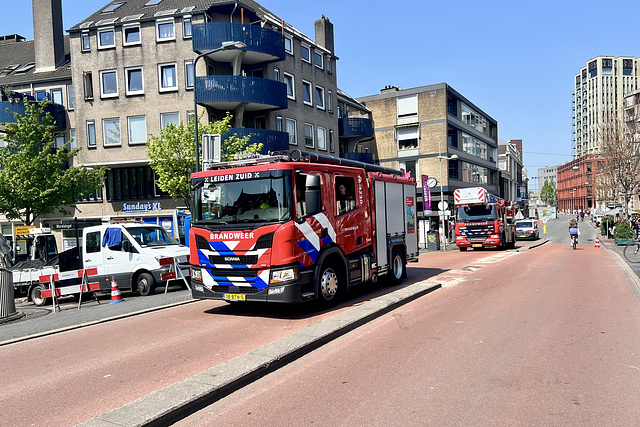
(234,297)
(477,245)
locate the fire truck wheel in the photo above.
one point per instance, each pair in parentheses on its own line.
(398,267)
(463,249)
(35,294)
(145,284)
(329,283)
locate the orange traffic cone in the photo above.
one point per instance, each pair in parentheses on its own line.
(597,242)
(115,292)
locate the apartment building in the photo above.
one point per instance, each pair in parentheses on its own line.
(511,180)
(420,129)
(128,70)
(600,88)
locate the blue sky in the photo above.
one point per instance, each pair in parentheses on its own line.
(515,60)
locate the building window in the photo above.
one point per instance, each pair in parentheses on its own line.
(41,95)
(132,183)
(345,190)
(306,93)
(308,136)
(137,129)
(320,97)
(87,81)
(135,82)
(166,118)
(56,96)
(70,96)
(167,76)
(165,30)
(276,74)
(409,166)
(305,53)
(108,84)
(329,101)
(289,80)
(91,133)
(288,45)
(407,106)
(86,42)
(322,139)
(131,35)
(318,59)
(111,132)
(188,74)
(106,39)
(332,146)
(291,130)
(72,138)
(186,27)
(408,137)
(329,66)
(279,123)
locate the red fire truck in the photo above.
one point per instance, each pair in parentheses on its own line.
(296,226)
(483,220)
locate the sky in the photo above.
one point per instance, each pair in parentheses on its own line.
(514,60)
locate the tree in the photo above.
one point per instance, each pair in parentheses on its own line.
(172,154)
(549,193)
(619,177)
(36,178)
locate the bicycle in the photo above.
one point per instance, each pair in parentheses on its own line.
(632,252)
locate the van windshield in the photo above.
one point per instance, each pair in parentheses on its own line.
(151,236)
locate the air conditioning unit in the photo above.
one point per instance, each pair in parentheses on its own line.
(211,150)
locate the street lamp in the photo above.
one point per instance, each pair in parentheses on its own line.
(441,157)
(229,45)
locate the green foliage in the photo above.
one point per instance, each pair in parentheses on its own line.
(549,193)
(172,154)
(607,222)
(623,230)
(34,177)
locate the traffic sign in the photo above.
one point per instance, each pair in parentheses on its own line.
(442,205)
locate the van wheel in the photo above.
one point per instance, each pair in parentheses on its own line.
(330,284)
(35,294)
(398,267)
(145,284)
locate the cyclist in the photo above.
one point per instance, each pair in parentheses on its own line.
(573,230)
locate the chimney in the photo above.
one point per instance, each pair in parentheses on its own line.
(324,34)
(48,34)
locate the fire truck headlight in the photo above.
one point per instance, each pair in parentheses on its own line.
(494,236)
(196,274)
(284,275)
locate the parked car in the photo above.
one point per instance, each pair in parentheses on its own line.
(597,218)
(527,229)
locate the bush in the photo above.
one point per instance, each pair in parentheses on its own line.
(623,230)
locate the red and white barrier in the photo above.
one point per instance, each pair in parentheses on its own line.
(175,272)
(85,286)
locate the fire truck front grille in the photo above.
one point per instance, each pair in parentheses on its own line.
(476,232)
(220,272)
(233,259)
(235,289)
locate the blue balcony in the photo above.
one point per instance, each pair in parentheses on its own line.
(355,127)
(228,92)
(57,112)
(360,157)
(272,140)
(262,45)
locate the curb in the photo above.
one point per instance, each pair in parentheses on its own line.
(174,402)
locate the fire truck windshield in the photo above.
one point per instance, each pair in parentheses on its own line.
(251,201)
(476,213)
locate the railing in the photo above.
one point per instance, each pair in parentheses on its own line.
(351,127)
(272,140)
(252,90)
(210,35)
(57,112)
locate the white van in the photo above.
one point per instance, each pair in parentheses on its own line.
(130,252)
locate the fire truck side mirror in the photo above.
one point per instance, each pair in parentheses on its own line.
(312,195)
